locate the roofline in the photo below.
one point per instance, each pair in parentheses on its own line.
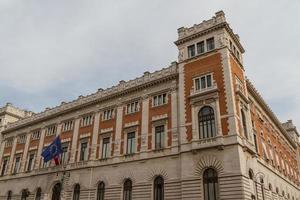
(268,110)
(148,79)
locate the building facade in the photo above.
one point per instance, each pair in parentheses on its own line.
(196,130)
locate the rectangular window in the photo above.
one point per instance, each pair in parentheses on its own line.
(86,120)
(17,164)
(159,99)
(83,151)
(22,139)
(159,137)
(203,82)
(9,142)
(36,135)
(191,51)
(132,107)
(64,156)
(200,47)
(210,43)
(4,166)
(68,126)
(108,114)
(105,148)
(30,162)
(131,143)
(255,143)
(51,130)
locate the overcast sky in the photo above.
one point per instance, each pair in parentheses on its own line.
(56,50)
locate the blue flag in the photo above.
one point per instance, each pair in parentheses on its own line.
(53,150)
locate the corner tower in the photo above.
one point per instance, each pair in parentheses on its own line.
(211,70)
(213,99)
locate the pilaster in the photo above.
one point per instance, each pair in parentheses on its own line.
(145,123)
(229,90)
(75,141)
(40,148)
(12,155)
(181,100)
(25,152)
(119,120)
(174,117)
(95,136)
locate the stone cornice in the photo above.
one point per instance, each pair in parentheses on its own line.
(252,90)
(147,80)
(215,23)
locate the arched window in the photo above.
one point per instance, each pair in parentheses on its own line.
(210,184)
(127,190)
(206,119)
(38,194)
(56,190)
(244,122)
(159,188)
(76,194)
(25,194)
(100,191)
(9,195)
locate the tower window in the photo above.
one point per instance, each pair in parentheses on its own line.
(210,43)
(203,82)
(206,119)
(191,51)
(200,47)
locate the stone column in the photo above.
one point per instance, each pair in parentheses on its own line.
(174,117)
(25,152)
(75,140)
(12,155)
(40,149)
(95,136)
(145,123)
(119,120)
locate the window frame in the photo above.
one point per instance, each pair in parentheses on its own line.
(160,99)
(105,146)
(200,46)
(207,122)
(127,188)
(162,137)
(84,155)
(131,148)
(191,51)
(207,181)
(132,107)
(156,183)
(76,192)
(101,191)
(197,82)
(210,46)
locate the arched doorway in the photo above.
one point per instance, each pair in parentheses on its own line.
(56,191)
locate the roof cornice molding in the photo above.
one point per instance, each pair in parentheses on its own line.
(147,80)
(253,91)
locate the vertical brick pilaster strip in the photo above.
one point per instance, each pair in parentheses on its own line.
(145,122)
(119,119)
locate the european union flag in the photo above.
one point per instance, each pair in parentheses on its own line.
(53,150)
